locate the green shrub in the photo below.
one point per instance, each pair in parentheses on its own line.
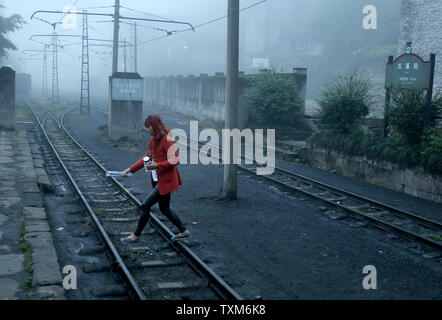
(274,97)
(407,114)
(427,155)
(346,102)
(432,150)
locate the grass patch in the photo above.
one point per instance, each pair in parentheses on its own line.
(28,283)
(124,253)
(436,238)
(378,216)
(27,250)
(98,211)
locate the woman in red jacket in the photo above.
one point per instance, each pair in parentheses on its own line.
(164,176)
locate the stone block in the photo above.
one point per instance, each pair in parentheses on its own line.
(10,201)
(32,199)
(29,187)
(37,226)
(8,289)
(39,239)
(46,267)
(53,292)
(11,264)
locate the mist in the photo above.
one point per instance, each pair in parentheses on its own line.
(325,36)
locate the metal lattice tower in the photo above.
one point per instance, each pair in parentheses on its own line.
(85,97)
(45,73)
(55,92)
(125,55)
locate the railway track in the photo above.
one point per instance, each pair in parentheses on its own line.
(154,268)
(381,215)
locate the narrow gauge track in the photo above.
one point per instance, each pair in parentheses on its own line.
(381,215)
(154,269)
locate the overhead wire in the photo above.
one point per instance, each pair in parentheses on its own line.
(169,33)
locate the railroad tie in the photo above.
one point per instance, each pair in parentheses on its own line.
(160,263)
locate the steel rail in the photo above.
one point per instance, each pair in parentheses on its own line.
(220,285)
(223,289)
(134,286)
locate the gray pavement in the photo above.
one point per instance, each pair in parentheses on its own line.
(29,267)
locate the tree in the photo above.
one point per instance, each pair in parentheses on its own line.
(346,102)
(274,97)
(8,24)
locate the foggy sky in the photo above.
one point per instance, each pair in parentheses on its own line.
(203,51)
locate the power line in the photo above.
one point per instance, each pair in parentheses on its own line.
(169,33)
(146,13)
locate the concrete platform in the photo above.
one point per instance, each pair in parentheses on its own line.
(25,237)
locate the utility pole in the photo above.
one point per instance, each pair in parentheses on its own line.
(116,36)
(231,121)
(85,97)
(125,56)
(135,46)
(45,73)
(55,91)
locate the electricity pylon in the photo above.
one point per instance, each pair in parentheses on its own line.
(55,92)
(85,97)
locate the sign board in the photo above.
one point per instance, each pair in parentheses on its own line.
(261,63)
(408,71)
(125,89)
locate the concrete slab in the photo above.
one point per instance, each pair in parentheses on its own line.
(3,218)
(37,226)
(38,163)
(9,183)
(34,213)
(32,199)
(39,239)
(29,187)
(6,189)
(6,160)
(5,249)
(29,174)
(25,158)
(11,172)
(6,153)
(8,289)
(46,267)
(11,264)
(47,293)
(9,202)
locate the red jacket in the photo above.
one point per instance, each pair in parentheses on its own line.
(166,156)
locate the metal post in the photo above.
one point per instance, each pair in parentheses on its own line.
(45,73)
(125,56)
(135,44)
(231,122)
(427,118)
(55,92)
(116,36)
(85,96)
(387,103)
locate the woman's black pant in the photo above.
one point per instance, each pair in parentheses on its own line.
(164,203)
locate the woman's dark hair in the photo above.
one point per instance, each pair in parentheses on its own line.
(159,131)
